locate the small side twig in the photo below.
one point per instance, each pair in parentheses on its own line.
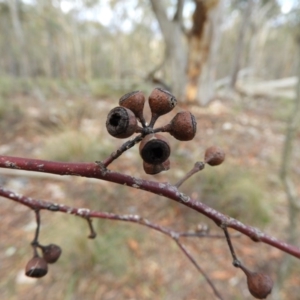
(35,241)
(127,145)
(235,262)
(193,261)
(199,165)
(93,233)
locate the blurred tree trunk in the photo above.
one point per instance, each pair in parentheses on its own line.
(188,56)
(288,185)
(239,47)
(175,48)
(203,42)
(20,39)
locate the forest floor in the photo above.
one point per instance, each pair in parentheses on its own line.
(128,261)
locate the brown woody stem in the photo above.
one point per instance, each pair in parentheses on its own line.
(167,190)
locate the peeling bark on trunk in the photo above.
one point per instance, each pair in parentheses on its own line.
(203,45)
(190,58)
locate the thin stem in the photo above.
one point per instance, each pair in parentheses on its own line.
(166,128)
(93,233)
(127,145)
(154,118)
(142,121)
(199,165)
(194,262)
(235,262)
(35,241)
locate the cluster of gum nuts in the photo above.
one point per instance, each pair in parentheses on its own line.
(37,266)
(122,122)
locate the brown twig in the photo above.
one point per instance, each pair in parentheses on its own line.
(87,214)
(169,191)
(193,261)
(199,165)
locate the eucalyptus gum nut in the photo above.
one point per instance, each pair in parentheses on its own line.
(51,253)
(259,285)
(135,102)
(121,122)
(152,169)
(37,267)
(161,102)
(154,149)
(183,126)
(214,156)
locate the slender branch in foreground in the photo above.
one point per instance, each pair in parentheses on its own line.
(190,257)
(38,205)
(93,170)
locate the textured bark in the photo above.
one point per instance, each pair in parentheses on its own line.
(187,56)
(175,48)
(203,43)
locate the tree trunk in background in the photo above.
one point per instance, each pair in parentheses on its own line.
(20,39)
(190,57)
(287,182)
(175,47)
(239,47)
(203,41)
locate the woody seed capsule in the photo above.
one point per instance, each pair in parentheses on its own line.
(214,156)
(183,126)
(259,285)
(51,253)
(121,122)
(152,169)
(161,102)
(37,267)
(135,102)
(154,149)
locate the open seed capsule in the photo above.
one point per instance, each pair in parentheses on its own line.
(154,149)
(121,122)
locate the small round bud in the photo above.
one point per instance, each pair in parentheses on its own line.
(51,253)
(154,149)
(214,156)
(121,122)
(183,126)
(37,267)
(161,102)
(259,285)
(135,102)
(152,169)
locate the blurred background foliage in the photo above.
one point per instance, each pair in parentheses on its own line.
(64,64)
